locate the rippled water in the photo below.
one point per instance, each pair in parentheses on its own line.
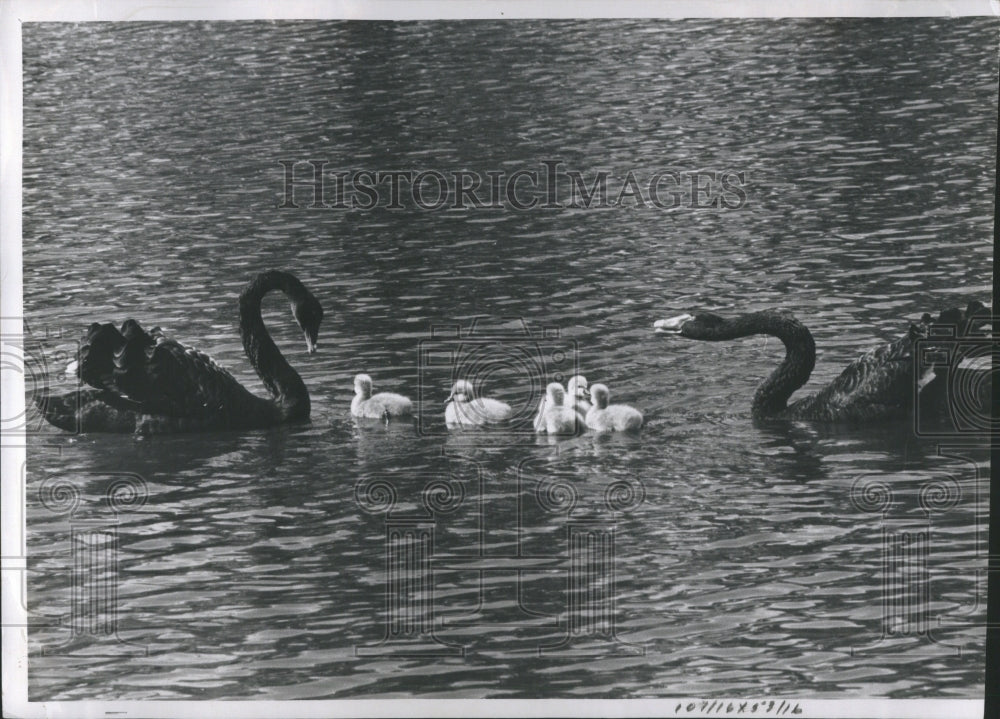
(152,187)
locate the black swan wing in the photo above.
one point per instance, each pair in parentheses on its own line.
(86,410)
(879,383)
(152,374)
(884,381)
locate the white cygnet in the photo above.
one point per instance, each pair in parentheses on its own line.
(554,415)
(466,410)
(611,418)
(577,394)
(539,422)
(384,405)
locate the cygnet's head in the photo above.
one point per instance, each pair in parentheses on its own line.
(577,386)
(461,391)
(363,385)
(555,393)
(599,393)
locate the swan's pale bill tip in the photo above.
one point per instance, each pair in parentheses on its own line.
(310,344)
(671,325)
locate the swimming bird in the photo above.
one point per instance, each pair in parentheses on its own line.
(539,421)
(577,394)
(879,385)
(575,397)
(605,417)
(465,409)
(146,382)
(384,405)
(556,415)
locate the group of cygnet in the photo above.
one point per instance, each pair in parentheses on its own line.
(560,412)
(569,411)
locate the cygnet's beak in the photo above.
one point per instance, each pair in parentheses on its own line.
(671,325)
(450,397)
(585,391)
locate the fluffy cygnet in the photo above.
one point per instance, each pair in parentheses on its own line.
(466,410)
(384,405)
(554,414)
(614,417)
(577,393)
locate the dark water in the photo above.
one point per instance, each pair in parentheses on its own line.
(152,187)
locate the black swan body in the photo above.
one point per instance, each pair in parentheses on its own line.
(879,385)
(146,382)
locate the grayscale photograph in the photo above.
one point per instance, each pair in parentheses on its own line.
(507,359)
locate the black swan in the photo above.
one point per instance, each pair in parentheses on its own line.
(145,382)
(879,385)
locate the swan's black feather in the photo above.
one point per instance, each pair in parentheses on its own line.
(885,381)
(877,384)
(160,376)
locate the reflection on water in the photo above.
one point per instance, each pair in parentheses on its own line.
(746,559)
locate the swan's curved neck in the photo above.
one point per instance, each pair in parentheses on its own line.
(283,382)
(772,396)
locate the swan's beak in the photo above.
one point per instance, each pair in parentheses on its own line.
(450,397)
(585,392)
(672,325)
(310,344)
